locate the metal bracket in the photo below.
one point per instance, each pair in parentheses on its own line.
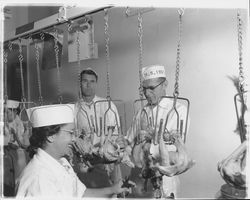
(132,11)
(62,14)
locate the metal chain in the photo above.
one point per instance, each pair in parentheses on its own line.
(5,59)
(38,73)
(178,56)
(42,36)
(78,61)
(6,70)
(140,34)
(56,48)
(10,46)
(241,72)
(69,24)
(106,31)
(20,57)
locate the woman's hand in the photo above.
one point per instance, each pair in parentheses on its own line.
(120,187)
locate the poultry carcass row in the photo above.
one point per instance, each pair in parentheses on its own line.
(107,151)
(233,168)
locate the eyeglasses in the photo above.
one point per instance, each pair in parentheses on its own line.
(151,88)
(68,131)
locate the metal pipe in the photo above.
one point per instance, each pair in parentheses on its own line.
(51,22)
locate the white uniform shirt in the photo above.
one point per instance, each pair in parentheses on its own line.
(90,116)
(169,183)
(45,177)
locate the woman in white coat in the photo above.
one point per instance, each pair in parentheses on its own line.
(49,174)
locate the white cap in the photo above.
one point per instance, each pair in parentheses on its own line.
(153,71)
(90,69)
(51,115)
(12,104)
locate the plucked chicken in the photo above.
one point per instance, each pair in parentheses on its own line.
(233,168)
(174,162)
(109,150)
(156,160)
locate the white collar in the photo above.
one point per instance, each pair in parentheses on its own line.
(91,102)
(51,163)
(165,103)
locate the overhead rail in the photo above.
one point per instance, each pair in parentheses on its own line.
(64,15)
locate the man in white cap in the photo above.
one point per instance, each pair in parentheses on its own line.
(15,138)
(49,174)
(154,86)
(86,116)
(14,123)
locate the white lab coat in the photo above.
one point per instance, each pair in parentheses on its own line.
(170,184)
(46,177)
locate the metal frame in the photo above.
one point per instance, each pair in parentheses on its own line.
(64,15)
(109,109)
(240,108)
(130,12)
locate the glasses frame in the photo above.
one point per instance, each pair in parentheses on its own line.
(151,88)
(72,132)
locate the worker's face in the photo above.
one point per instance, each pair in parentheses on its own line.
(10,114)
(64,139)
(153,89)
(88,85)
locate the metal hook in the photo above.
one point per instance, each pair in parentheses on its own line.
(10,46)
(42,35)
(69,24)
(181,11)
(30,39)
(86,114)
(127,11)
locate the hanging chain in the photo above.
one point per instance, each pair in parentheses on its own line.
(10,46)
(140,34)
(106,31)
(241,72)
(5,56)
(20,57)
(38,70)
(56,48)
(69,24)
(78,61)
(178,56)
(5,59)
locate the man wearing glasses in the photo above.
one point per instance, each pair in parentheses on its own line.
(146,123)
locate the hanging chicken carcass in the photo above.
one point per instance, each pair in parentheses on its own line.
(233,168)
(169,163)
(162,161)
(174,162)
(107,151)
